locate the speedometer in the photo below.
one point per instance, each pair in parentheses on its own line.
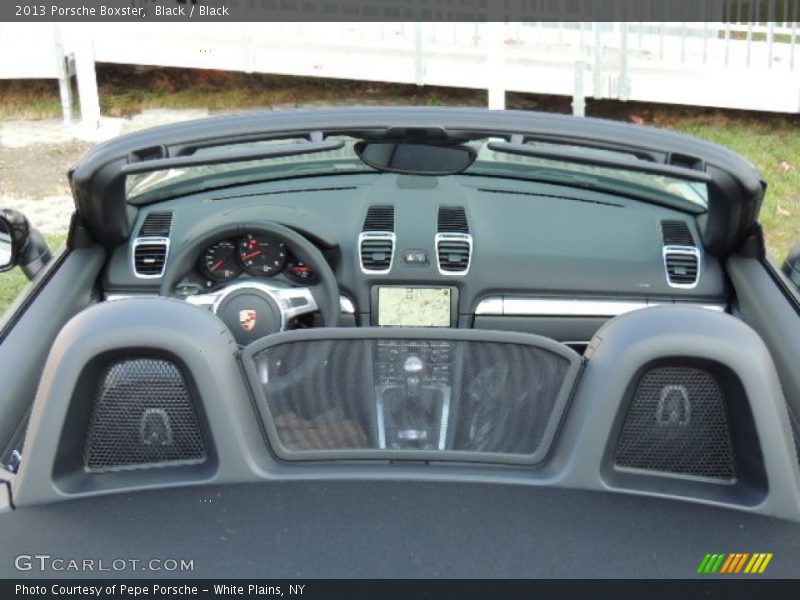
(262,255)
(220,262)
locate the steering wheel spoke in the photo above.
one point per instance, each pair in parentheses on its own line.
(206,301)
(296,301)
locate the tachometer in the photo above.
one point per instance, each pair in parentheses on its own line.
(262,255)
(220,262)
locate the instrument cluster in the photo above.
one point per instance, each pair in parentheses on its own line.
(255,255)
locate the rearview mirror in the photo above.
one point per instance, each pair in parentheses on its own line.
(8,250)
(416,158)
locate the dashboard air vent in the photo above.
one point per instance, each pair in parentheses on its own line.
(149,256)
(379,218)
(453,219)
(453,241)
(682,268)
(676,233)
(156,224)
(151,246)
(377,239)
(376,252)
(681,255)
(453,255)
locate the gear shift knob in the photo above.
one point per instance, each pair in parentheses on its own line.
(413,367)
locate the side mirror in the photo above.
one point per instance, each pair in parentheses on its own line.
(21,245)
(8,250)
(791,266)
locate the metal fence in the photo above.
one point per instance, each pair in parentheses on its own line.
(739,62)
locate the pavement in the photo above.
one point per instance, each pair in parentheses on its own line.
(35,156)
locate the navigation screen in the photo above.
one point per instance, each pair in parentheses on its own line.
(414,307)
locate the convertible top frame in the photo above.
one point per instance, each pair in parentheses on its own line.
(736,189)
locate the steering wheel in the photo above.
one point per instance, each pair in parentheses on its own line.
(256,308)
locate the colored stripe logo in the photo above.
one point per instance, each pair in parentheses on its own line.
(734,563)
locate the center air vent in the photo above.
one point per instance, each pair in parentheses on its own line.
(151,246)
(453,241)
(681,255)
(377,240)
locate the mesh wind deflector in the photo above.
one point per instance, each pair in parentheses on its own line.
(444,398)
(142,416)
(677,423)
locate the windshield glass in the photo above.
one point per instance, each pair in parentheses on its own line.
(148,187)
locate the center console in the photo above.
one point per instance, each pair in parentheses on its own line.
(413,391)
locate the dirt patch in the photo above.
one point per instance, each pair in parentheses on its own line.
(39,170)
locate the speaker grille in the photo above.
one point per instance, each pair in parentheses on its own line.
(677,423)
(389,395)
(143,416)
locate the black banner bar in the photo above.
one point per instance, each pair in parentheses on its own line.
(395,10)
(732,588)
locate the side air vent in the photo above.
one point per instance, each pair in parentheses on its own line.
(681,255)
(151,246)
(453,241)
(156,224)
(379,218)
(149,256)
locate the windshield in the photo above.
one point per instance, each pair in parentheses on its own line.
(158,185)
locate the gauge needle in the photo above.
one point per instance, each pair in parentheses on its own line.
(251,255)
(217,265)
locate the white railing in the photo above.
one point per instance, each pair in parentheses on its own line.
(748,65)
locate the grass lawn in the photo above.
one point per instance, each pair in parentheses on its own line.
(773,145)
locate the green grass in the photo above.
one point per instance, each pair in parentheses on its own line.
(14,281)
(773,145)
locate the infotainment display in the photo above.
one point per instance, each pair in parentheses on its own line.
(414,307)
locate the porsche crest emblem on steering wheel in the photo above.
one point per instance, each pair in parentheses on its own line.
(247,319)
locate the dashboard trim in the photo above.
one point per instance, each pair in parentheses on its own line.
(499,305)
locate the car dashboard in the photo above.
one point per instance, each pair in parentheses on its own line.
(458,251)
